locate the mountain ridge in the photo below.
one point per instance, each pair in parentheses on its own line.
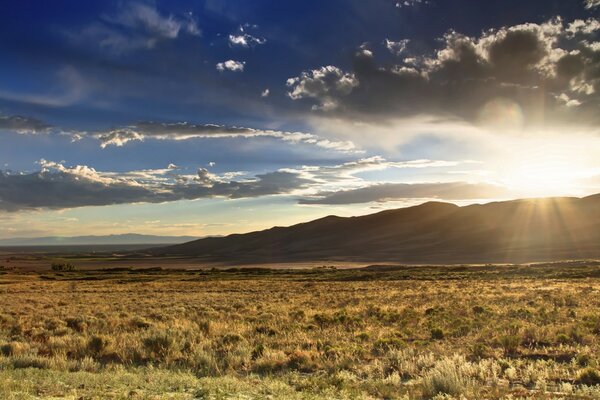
(519,230)
(113,239)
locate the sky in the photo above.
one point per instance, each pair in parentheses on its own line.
(220,116)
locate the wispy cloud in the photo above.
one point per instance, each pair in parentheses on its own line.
(133,26)
(401,191)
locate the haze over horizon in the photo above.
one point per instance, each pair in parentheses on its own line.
(208,118)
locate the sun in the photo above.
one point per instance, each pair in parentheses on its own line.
(545,173)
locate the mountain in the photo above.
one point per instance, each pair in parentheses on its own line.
(434,232)
(124,239)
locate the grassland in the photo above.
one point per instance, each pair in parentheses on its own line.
(385,332)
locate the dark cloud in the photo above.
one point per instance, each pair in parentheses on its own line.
(402,191)
(15,123)
(531,65)
(57,187)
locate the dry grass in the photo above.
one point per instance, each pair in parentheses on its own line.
(297,335)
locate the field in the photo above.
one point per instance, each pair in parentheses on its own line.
(380,332)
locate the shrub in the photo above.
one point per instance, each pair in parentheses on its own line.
(302,361)
(160,344)
(97,344)
(478,310)
(446,378)
(13,349)
(265,330)
(77,324)
(437,334)
(588,376)
(510,344)
(62,267)
(382,346)
(139,322)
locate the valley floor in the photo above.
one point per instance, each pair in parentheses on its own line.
(388,332)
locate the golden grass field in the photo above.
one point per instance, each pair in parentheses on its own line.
(445,332)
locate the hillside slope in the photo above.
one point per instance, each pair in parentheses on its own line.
(433,232)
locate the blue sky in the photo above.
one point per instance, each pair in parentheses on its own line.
(211,117)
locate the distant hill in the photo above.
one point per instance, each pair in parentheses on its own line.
(124,239)
(434,232)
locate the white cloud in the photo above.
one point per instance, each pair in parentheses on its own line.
(245,40)
(580,26)
(231,65)
(265,93)
(324,83)
(396,48)
(185,131)
(589,4)
(410,3)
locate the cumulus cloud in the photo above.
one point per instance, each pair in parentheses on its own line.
(134,26)
(326,84)
(400,191)
(231,65)
(57,186)
(22,125)
(528,66)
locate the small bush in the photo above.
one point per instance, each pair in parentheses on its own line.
(77,324)
(160,344)
(588,376)
(446,378)
(510,344)
(478,310)
(437,334)
(62,267)
(97,344)
(382,346)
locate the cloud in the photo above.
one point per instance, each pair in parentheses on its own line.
(527,66)
(135,26)
(245,40)
(68,88)
(396,48)
(326,84)
(346,172)
(185,131)
(57,186)
(265,93)
(590,4)
(399,191)
(231,65)
(141,131)
(410,3)
(23,125)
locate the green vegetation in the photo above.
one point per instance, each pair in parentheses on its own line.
(59,266)
(474,332)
